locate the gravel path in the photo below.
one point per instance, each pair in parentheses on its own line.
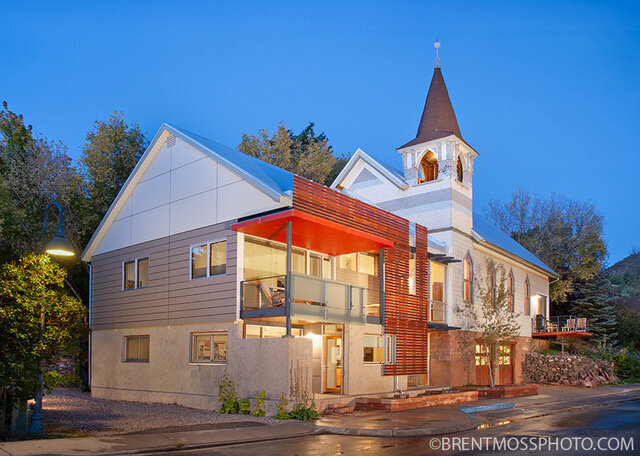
(69,410)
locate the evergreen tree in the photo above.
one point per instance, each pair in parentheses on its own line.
(594,302)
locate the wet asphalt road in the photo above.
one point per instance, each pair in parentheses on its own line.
(620,420)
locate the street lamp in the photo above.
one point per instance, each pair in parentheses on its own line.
(58,246)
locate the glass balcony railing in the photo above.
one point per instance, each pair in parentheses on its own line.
(313,298)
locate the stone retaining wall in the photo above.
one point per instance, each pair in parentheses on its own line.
(565,369)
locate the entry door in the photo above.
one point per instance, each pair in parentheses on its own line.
(505,364)
(332,364)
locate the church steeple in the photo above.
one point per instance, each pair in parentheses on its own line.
(438,118)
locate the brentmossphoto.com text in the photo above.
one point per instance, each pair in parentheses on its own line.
(534,443)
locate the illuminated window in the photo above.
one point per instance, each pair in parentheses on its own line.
(460,170)
(412,273)
(373,348)
(428,168)
(389,349)
(437,288)
(467,279)
(209,347)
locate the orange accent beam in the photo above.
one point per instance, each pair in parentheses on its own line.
(312,233)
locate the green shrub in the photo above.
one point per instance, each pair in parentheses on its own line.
(282,406)
(245,406)
(627,365)
(258,404)
(227,395)
(304,413)
(53,379)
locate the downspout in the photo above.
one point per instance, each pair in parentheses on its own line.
(89,347)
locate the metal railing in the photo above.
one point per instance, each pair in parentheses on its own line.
(312,298)
(561,323)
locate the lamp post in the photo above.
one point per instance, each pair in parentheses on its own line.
(58,246)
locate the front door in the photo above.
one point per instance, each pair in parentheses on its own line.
(505,364)
(332,364)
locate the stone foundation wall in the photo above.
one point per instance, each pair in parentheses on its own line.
(567,369)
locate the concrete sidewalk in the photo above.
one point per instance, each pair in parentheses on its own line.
(450,418)
(419,422)
(157,440)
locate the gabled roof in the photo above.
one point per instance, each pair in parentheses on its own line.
(393,174)
(483,228)
(438,118)
(490,233)
(276,179)
(275,182)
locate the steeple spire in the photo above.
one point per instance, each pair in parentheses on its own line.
(438,118)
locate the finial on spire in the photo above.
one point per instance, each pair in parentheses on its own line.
(436,45)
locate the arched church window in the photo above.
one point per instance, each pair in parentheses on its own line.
(428,167)
(467,275)
(460,170)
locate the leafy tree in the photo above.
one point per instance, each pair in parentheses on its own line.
(112,149)
(628,323)
(32,285)
(566,234)
(306,153)
(491,313)
(594,302)
(33,173)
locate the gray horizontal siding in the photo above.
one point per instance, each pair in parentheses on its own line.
(171,297)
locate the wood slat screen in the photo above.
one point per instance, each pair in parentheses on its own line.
(405,315)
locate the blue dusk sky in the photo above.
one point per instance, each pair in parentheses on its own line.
(547,92)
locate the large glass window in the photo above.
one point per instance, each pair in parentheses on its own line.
(264,258)
(135,274)
(363,262)
(437,284)
(467,274)
(373,348)
(209,347)
(209,259)
(136,349)
(319,266)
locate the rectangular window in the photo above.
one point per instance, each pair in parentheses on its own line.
(136,349)
(373,348)
(209,259)
(348,262)
(389,349)
(368,263)
(209,348)
(319,266)
(262,332)
(437,287)
(412,273)
(135,274)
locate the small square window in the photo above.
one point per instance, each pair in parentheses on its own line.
(136,349)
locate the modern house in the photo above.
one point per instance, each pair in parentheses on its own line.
(210,260)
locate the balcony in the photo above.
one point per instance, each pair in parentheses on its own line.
(312,299)
(560,326)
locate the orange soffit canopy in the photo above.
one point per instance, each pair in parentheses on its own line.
(311,232)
